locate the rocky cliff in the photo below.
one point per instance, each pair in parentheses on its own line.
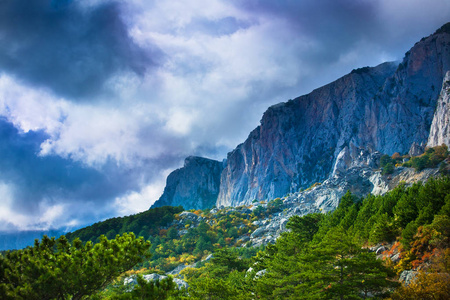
(386,108)
(336,128)
(194,186)
(440,128)
(296,143)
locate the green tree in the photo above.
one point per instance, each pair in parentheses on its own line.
(57,269)
(172,233)
(224,277)
(305,227)
(384,160)
(335,268)
(388,169)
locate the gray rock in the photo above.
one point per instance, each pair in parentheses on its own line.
(380,250)
(208,258)
(188,215)
(283,223)
(416,149)
(131,281)
(181,267)
(395,258)
(258,232)
(440,128)
(407,276)
(260,273)
(194,186)
(154,277)
(181,284)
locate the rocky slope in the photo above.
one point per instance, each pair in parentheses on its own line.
(308,139)
(194,186)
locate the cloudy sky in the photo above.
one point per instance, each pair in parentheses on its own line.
(100,99)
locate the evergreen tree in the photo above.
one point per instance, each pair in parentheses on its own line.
(57,269)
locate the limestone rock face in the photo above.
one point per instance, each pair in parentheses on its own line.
(297,141)
(194,186)
(306,140)
(402,112)
(440,128)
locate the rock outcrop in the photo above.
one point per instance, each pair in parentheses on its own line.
(132,281)
(386,108)
(194,186)
(440,127)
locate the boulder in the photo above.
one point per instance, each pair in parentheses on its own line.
(258,232)
(188,215)
(407,276)
(380,250)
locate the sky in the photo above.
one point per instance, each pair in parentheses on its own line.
(101,99)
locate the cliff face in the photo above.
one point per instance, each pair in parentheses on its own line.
(403,111)
(305,140)
(194,186)
(440,128)
(296,143)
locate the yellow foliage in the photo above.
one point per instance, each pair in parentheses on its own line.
(433,283)
(426,286)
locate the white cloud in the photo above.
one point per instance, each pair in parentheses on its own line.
(30,108)
(9,219)
(138,201)
(46,217)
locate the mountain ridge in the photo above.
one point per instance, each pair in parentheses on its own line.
(388,108)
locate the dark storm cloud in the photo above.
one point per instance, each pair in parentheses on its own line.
(58,180)
(50,175)
(72,50)
(334,25)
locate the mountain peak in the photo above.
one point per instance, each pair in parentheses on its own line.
(444,29)
(195,185)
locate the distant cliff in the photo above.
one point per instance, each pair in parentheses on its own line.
(194,186)
(386,108)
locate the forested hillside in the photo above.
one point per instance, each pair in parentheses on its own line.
(141,224)
(328,256)
(357,251)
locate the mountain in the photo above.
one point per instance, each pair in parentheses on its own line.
(388,108)
(195,185)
